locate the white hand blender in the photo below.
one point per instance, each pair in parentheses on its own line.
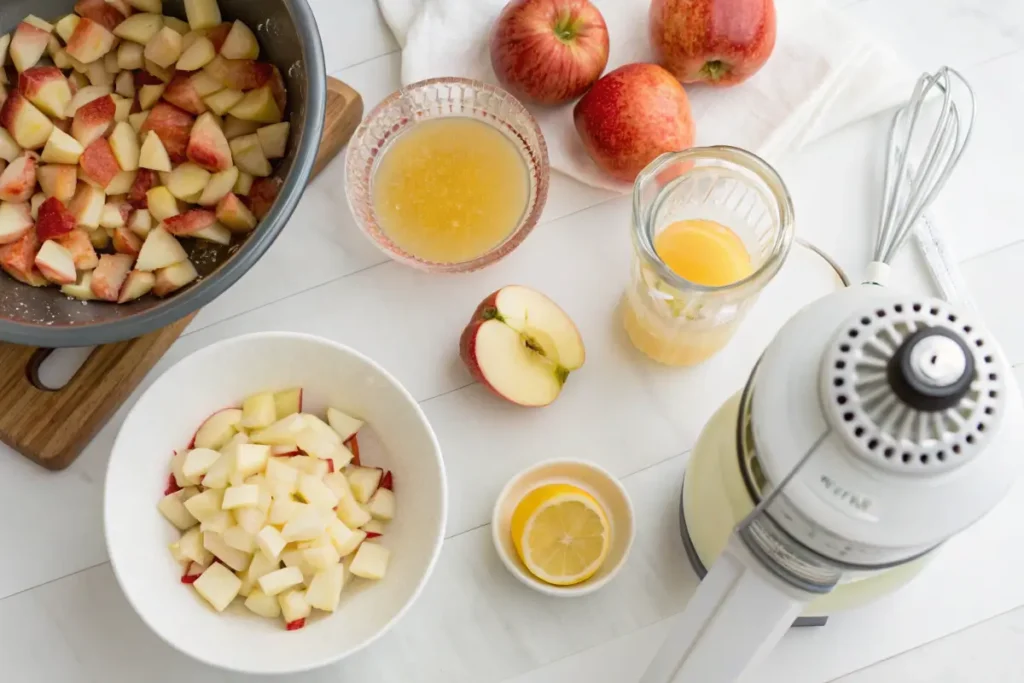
(875,426)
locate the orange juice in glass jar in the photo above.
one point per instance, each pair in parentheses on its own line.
(711,227)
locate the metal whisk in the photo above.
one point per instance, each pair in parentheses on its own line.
(918,163)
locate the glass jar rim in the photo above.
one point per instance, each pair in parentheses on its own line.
(643,236)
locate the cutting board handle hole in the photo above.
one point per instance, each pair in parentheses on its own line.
(52,369)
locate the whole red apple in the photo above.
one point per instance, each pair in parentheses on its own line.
(719,42)
(549,51)
(632,115)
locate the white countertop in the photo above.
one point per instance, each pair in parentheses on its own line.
(64,620)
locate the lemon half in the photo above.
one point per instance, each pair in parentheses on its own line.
(561,534)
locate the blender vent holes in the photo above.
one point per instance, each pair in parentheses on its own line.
(879,424)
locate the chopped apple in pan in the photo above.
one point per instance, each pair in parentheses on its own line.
(173,125)
(262,604)
(218,586)
(137,119)
(244,496)
(66,26)
(181,93)
(130,57)
(15,221)
(98,163)
(322,555)
(153,155)
(99,238)
(9,148)
(274,139)
(84,96)
(258,105)
(110,64)
(202,13)
(162,204)
(113,217)
(248,156)
(170,279)
(232,557)
(29,127)
(204,84)
(236,128)
(207,145)
(90,41)
(47,88)
(164,48)
(98,75)
(307,525)
(176,24)
(124,85)
(218,429)
(141,222)
(56,264)
(34,204)
(190,222)
(149,95)
(316,493)
(87,205)
(78,243)
(281,580)
(162,74)
(234,214)
(136,285)
(219,186)
(364,482)
(61,148)
(173,509)
(103,12)
(18,181)
(160,250)
(93,119)
(199,54)
(251,459)
(28,45)
(240,43)
(370,562)
(121,184)
(188,179)
(522,346)
(240,74)
(140,28)
(352,513)
(222,101)
(122,108)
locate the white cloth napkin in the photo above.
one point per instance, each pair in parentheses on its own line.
(825,72)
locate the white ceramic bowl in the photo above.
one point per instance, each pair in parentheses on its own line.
(165,418)
(592,479)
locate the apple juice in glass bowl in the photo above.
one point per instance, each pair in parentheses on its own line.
(711,228)
(447,174)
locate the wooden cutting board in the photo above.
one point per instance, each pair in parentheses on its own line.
(51,427)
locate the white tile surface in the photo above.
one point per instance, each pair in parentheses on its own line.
(62,617)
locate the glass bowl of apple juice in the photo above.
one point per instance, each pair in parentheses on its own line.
(711,227)
(447,174)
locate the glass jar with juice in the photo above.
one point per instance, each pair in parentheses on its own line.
(711,227)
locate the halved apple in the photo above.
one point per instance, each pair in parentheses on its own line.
(522,346)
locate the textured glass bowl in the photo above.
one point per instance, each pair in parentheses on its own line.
(431,99)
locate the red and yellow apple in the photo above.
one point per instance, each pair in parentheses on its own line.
(631,116)
(718,42)
(549,51)
(522,346)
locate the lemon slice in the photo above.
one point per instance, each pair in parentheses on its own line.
(561,534)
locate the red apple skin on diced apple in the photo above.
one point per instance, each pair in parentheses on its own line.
(277,87)
(137,284)
(56,263)
(58,180)
(353,445)
(99,163)
(181,93)
(262,195)
(89,41)
(388,481)
(45,84)
(110,274)
(53,220)
(16,220)
(173,126)
(78,243)
(143,77)
(100,11)
(126,242)
(27,45)
(218,34)
(18,258)
(17,108)
(18,181)
(92,120)
(189,222)
(145,180)
(234,214)
(208,147)
(240,74)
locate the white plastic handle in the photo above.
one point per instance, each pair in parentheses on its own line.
(738,614)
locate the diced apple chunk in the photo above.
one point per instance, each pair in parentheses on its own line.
(222,101)
(370,562)
(219,474)
(262,604)
(202,13)
(164,48)
(270,541)
(324,591)
(307,525)
(283,510)
(342,423)
(294,607)
(322,555)
(160,250)
(316,493)
(364,482)
(66,26)
(374,527)
(136,285)
(56,263)
(198,461)
(218,429)
(162,204)
(352,513)
(90,41)
(258,411)
(280,580)
(28,45)
(274,139)
(251,459)
(170,279)
(337,482)
(316,444)
(248,156)
(345,540)
(153,155)
(173,508)
(232,557)
(197,55)
(139,28)
(240,43)
(206,505)
(258,105)
(125,144)
(187,179)
(243,496)
(176,24)
(29,127)
(190,545)
(130,56)
(218,586)
(240,539)
(235,215)
(382,505)
(251,519)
